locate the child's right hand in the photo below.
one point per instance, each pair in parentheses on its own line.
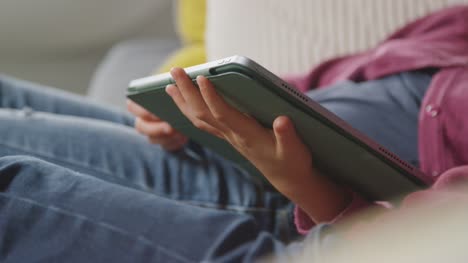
(157,130)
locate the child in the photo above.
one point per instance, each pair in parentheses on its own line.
(97,191)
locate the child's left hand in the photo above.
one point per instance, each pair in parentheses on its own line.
(279,154)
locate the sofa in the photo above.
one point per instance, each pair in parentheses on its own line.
(98,57)
(287,38)
(60,43)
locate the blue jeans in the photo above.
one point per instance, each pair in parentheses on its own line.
(77,183)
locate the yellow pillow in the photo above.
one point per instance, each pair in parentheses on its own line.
(191,30)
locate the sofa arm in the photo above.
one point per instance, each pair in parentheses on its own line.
(63,27)
(127,61)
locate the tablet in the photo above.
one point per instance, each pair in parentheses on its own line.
(339,151)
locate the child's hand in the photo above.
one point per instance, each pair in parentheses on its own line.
(158,131)
(279,154)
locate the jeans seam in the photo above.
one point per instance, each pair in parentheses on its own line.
(108,226)
(108,174)
(71,163)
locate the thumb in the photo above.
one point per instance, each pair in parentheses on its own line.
(287,139)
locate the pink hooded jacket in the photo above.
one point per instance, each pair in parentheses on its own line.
(439,41)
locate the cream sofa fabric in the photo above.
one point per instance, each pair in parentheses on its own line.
(292,36)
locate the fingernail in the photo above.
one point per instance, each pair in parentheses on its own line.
(169,89)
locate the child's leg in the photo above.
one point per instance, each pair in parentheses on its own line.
(120,155)
(18,94)
(52,214)
(71,131)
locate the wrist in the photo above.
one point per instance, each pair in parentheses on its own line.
(322,199)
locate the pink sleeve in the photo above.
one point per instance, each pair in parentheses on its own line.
(447,188)
(304,223)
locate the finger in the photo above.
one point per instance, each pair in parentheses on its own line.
(287,140)
(189,91)
(141,112)
(154,129)
(176,95)
(193,98)
(162,140)
(165,140)
(175,145)
(173,148)
(225,113)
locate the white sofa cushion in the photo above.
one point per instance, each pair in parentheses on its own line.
(292,36)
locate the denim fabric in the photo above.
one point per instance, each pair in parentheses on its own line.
(68,131)
(386,110)
(77,183)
